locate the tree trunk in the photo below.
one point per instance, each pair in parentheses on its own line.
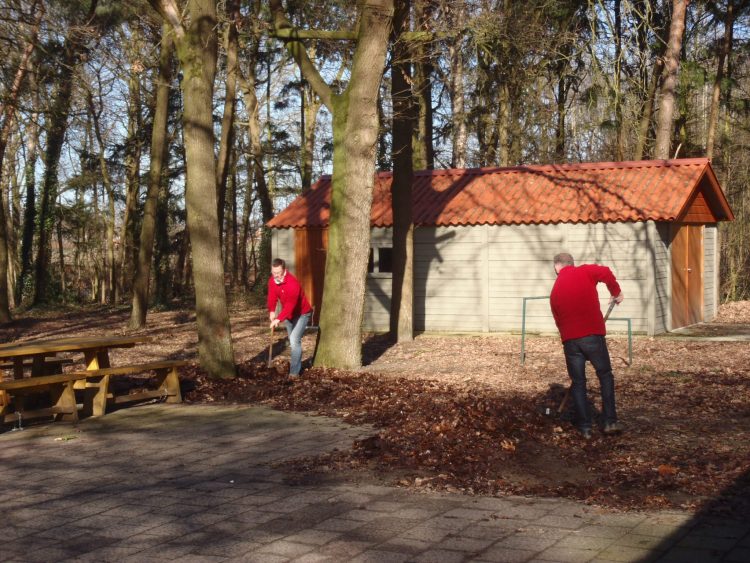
(197,51)
(58,123)
(110,217)
(424,152)
(355,131)
(61,254)
(311,106)
(134,148)
(402,300)
(459,137)
(262,189)
(619,125)
(227,120)
(724,52)
(29,210)
(247,84)
(668,88)
(7,112)
(155,180)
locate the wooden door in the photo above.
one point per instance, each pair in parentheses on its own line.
(310,249)
(687,275)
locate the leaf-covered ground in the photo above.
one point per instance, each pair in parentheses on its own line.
(462,413)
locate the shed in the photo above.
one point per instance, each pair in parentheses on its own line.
(484,239)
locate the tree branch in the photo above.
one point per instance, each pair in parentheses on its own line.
(171,14)
(299,53)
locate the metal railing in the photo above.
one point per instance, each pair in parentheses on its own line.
(523,329)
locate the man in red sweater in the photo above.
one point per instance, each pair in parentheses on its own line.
(575,306)
(295,311)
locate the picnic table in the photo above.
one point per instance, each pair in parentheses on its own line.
(45,375)
(33,353)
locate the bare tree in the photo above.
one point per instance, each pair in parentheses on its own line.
(155,180)
(355,134)
(196,46)
(668,87)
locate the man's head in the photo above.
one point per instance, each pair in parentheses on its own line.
(278,270)
(562,260)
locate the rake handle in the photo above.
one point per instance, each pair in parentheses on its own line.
(270,348)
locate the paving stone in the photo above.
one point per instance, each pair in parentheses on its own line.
(585,542)
(566,554)
(646,542)
(380,556)
(738,554)
(338,524)
(406,545)
(623,553)
(706,542)
(425,533)
(500,554)
(344,549)
(442,555)
(602,531)
(215,497)
(531,543)
(466,545)
(314,537)
(691,555)
(564,522)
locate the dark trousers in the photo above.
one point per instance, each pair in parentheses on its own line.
(593,349)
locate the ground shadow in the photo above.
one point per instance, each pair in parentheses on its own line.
(374,346)
(718,532)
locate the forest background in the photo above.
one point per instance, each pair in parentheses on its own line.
(144,144)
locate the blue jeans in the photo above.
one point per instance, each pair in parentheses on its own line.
(594,349)
(295,328)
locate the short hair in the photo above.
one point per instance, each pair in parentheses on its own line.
(564,259)
(278,262)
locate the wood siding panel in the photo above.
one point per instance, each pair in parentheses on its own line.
(661,281)
(282,246)
(698,211)
(710,277)
(471,279)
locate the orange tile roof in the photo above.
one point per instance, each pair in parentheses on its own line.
(657,190)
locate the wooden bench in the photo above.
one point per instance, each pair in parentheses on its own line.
(60,388)
(50,366)
(96,385)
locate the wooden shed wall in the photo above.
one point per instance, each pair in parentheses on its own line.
(282,246)
(473,279)
(662,279)
(710,272)
(470,279)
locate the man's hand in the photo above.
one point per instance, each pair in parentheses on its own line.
(271,315)
(275,322)
(617,299)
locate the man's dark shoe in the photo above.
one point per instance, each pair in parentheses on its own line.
(586,433)
(613,428)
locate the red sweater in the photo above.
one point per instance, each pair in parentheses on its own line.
(575,301)
(292,297)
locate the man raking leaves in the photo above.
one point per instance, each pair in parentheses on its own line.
(575,306)
(295,312)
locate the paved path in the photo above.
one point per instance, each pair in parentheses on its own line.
(201,483)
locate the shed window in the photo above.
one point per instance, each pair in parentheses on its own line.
(380,261)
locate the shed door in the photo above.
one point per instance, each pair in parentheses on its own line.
(310,248)
(687,275)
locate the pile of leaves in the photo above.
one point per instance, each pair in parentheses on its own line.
(685,446)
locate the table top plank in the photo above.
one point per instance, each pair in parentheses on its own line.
(68,344)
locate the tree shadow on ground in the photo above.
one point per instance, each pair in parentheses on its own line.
(717,532)
(374,346)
